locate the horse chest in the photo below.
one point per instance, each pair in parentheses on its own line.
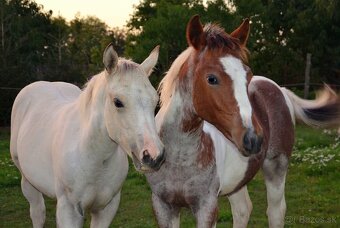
(184,186)
(94,185)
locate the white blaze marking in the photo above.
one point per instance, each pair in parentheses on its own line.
(234,68)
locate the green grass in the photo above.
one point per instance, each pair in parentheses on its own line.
(312,190)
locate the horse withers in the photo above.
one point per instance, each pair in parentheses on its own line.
(220,125)
(67,142)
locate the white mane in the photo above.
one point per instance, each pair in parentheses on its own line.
(91,89)
(96,86)
(168,83)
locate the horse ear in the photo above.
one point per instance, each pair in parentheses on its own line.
(149,63)
(242,32)
(194,33)
(110,58)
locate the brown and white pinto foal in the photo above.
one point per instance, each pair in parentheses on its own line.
(219,125)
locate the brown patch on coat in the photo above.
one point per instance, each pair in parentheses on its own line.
(191,122)
(213,217)
(179,199)
(206,155)
(273,114)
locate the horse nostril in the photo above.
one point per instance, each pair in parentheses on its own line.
(161,158)
(251,142)
(157,163)
(247,142)
(146,157)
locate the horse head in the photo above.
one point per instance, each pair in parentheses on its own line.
(220,83)
(129,109)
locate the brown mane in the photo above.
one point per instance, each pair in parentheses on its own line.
(217,38)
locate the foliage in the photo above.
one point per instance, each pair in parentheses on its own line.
(36,46)
(312,188)
(282,33)
(285,31)
(160,22)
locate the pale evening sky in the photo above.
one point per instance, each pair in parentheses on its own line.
(114,13)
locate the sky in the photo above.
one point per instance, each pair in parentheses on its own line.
(114,13)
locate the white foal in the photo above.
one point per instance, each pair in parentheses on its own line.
(66,142)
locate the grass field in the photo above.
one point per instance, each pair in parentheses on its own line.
(312,190)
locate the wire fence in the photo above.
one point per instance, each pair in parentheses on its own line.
(8,94)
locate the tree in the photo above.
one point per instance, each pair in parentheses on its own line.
(23,29)
(35,46)
(159,22)
(283,32)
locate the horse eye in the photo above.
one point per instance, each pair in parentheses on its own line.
(212,79)
(118,103)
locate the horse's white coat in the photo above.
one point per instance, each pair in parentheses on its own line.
(231,165)
(234,68)
(276,202)
(241,207)
(65,141)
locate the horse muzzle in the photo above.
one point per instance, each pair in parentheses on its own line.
(154,164)
(252,143)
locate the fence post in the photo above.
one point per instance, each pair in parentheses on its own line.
(307,75)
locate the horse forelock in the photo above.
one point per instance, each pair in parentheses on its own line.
(125,65)
(97,82)
(217,38)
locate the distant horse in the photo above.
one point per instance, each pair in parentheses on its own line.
(219,125)
(66,142)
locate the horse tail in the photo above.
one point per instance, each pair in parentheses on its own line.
(322,112)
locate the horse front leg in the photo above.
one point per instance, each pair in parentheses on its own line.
(167,215)
(241,207)
(69,215)
(104,217)
(275,170)
(206,213)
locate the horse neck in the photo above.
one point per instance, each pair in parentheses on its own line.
(181,129)
(91,107)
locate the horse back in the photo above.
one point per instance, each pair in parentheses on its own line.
(40,101)
(273,111)
(274,114)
